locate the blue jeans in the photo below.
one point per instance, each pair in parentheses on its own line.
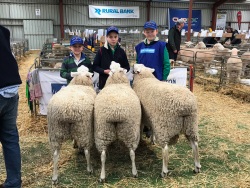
(9,139)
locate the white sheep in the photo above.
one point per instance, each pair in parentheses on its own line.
(117,115)
(198,54)
(234,67)
(169,109)
(70,116)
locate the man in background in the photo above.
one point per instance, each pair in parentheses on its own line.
(233,39)
(174,39)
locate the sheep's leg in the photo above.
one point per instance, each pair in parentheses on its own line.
(103,160)
(164,161)
(132,157)
(55,166)
(87,155)
(197,165)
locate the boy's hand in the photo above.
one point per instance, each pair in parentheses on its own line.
(106,71)
(175,51)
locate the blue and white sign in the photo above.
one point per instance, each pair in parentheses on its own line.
(176,14)
(113,12)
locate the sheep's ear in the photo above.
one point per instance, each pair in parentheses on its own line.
(125,71)
(151,70)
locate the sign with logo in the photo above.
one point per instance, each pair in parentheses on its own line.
(113,12)
(178,76)
(55,87)
(176,14)
(221,20)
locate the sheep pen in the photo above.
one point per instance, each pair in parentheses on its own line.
(224,150)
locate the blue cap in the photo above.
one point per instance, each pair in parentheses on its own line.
(112,29)
(150,25)
(76,40)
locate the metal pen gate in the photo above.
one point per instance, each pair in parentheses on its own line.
(37,31)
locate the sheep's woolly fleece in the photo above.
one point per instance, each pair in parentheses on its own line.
(117,113)
(170,109)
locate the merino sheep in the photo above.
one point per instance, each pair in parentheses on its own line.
(117,115)
(198,54)
(70,116)
(170,110)
(234,67)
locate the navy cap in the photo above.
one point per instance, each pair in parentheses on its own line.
(76,40)
(112,29)
(150,25)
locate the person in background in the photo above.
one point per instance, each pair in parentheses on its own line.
(153,53)
(75,59)
(233,39)
(111,51)
(174,39)
(9,83)
(210,41)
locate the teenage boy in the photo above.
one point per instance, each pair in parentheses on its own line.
(153,53)
(75,59)
(111,51)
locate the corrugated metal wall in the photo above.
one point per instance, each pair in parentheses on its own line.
(37,31)
(13,12)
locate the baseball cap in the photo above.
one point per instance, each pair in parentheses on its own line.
(112,29)
(150,25)
(76,40)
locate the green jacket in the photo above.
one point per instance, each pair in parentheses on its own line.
(69,66)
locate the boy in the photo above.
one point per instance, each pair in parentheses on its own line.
(75,59)
(153,53)
(111,51)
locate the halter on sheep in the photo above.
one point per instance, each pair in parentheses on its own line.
(169,109)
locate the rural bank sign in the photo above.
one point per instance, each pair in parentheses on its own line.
(113,12)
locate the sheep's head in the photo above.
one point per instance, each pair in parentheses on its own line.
(140,71)
(117,75)
(189,44)
(218,46)
(200,45)
(234,52)
(82,77)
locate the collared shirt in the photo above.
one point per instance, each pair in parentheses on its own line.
(80,60)
(10,91)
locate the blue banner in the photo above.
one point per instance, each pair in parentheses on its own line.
(176,14)
(56,87)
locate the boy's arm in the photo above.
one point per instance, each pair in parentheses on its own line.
(97,63)
(166,64)
(64,70)
(171,39)
(126,63)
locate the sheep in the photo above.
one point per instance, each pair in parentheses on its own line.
(198,54)
(234,67)
(70,116)
(117,115)
(170,110)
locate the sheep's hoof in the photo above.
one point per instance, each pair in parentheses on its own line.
(165,174)
(54,181)
(90,171)
(197,170)
(135,175)
(101,180)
